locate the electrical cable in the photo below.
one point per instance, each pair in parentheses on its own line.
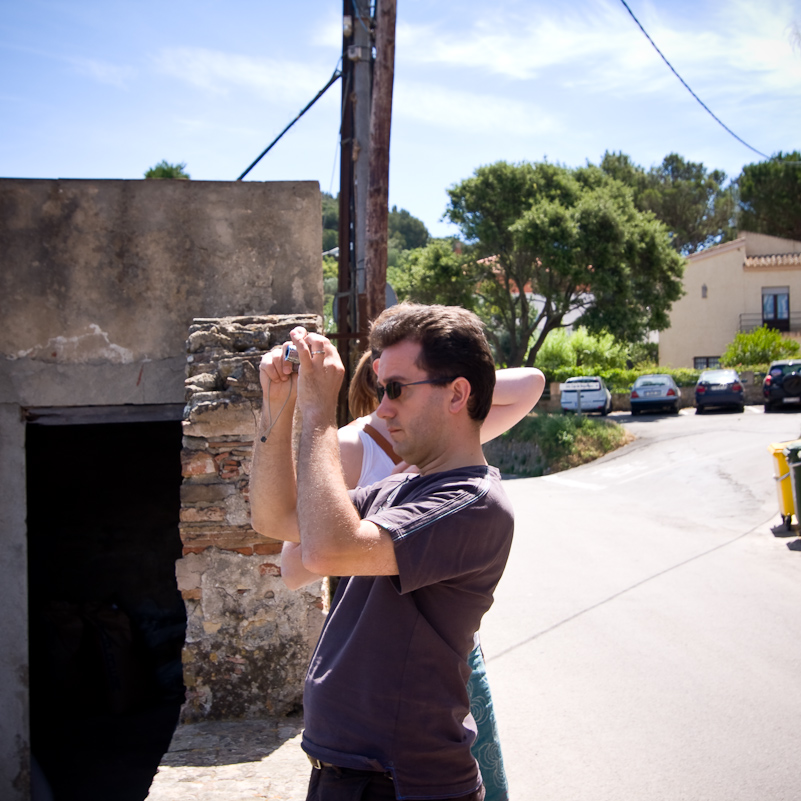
(337,74)
(703,105)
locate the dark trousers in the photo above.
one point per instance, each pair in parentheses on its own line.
(345,784)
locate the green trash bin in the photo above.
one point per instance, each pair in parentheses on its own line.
(792,453)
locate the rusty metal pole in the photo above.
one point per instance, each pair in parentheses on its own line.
(378,187)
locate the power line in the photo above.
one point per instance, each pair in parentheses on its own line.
(331,80)
(703,105)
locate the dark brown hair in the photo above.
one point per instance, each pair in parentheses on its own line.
(452,342)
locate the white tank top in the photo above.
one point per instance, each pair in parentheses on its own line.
(375,463)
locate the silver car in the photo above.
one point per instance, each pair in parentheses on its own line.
(652,392)
(590,391)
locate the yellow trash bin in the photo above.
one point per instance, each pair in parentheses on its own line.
(784,487)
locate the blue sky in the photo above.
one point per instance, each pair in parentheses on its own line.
(107,89)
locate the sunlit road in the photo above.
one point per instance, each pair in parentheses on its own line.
(645,641)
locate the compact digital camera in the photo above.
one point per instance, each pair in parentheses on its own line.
(291,355)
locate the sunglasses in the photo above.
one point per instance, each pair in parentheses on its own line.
(393,388)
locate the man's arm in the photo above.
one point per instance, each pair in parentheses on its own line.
(517,390)
(293,573)
(335,540)
(273,490)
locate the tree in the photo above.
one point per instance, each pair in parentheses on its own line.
(549,241)
(166,170)
(696,205)
(770,196)
(404,231)
(407,230)
(433,274)
(761,346)
(330,221)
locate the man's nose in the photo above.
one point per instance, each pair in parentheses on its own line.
(384,409)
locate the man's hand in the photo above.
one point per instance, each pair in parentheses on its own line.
(319,377)
(275,375)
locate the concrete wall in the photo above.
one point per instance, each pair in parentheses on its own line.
(99,284)
(703,324)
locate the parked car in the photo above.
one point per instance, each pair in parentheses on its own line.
(595,397)
(719,388)
(655,392)
(782,385)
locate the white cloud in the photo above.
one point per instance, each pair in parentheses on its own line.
(469,111)
(103,71)
(599,46)
(219,72)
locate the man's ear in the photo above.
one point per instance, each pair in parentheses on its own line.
(460,394)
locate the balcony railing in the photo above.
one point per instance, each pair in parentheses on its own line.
(750,321)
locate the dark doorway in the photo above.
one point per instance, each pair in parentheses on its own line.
(107,622)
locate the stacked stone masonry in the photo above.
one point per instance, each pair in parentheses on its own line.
(248,638)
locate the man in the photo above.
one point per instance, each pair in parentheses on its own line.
(385,703)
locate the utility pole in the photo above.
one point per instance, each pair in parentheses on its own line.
(380,119)
(364,175)
(360,54)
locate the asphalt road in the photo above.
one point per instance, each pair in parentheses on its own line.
(645,641)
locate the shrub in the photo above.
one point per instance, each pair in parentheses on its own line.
(761,346)
(619,380)
(581,349)
(563,441)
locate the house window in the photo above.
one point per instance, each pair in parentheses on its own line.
(776,307)
(706,362)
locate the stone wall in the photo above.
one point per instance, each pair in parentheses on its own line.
(248,638)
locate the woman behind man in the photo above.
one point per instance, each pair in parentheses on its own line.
(367,456)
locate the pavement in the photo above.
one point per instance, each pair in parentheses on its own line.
(234,761)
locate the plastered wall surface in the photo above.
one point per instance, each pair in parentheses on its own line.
(101,279)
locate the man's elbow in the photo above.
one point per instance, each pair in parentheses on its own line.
(320,561)
(278,528)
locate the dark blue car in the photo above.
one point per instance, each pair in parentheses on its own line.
(719,388)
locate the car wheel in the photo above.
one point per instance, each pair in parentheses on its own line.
(768,408)
(741,408)
(605,411)
(699,409)
(674,409)
(634,412)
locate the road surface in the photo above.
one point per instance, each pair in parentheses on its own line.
(645,641)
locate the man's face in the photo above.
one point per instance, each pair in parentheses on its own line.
(418,417)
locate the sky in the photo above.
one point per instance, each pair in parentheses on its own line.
(107,89)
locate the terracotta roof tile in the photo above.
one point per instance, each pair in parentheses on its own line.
(768,262)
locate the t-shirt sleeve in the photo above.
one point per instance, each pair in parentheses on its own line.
(450,532)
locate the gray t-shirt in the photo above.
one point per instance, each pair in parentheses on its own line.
(386,684)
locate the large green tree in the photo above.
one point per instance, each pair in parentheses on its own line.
(435,273)
(549,241)
(770,196)
(697,205)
